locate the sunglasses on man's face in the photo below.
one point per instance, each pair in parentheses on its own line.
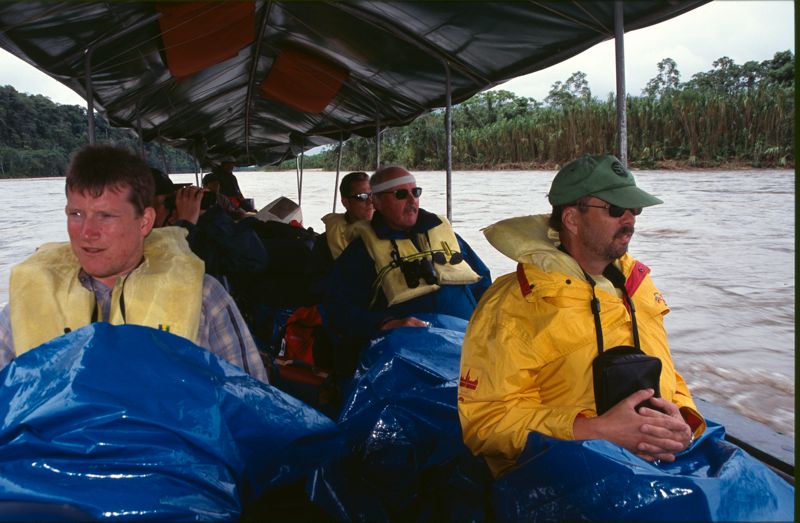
(402,194)
(613,210)
(362,196)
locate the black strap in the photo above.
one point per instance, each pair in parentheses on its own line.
(595,306)
(617,279)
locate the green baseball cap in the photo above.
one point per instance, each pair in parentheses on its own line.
(600,176)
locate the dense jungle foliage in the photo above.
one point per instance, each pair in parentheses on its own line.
(38,136)
(731,115)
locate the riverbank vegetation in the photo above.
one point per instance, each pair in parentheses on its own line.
(733,115)
(37,137)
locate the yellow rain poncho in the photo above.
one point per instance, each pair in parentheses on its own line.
(527,357)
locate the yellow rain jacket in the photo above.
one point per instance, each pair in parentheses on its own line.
(526,362)
(165,291)
(338,233)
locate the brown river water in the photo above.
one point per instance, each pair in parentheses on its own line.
(721,249)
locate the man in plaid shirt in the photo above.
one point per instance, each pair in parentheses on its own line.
(126,271)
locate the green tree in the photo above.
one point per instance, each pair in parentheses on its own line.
(666,81)
(574,89)
(780,70)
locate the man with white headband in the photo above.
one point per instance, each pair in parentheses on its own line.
(404,262)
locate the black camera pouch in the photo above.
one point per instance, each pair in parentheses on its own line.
(621,371)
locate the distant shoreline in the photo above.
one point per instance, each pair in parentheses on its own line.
(669,165)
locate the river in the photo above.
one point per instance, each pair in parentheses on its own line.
(721,249)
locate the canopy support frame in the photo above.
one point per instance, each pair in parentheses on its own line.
(377,143)
(448,133)
(87,67)
(619,59)
(299,163)
(338,170)
(251,84)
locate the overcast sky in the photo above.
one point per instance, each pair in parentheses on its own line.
(741,30)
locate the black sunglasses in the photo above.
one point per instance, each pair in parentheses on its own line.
(613,210)
(402,194)
(362,196)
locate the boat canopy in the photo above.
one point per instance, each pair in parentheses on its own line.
(264,81)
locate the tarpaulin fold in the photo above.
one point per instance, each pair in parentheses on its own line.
(596,480)
(406,460)
(127,422)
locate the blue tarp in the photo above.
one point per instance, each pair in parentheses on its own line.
(406,459)
(133,423)
(598,481)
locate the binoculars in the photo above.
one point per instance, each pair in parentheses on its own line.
(420,269)
(209,199)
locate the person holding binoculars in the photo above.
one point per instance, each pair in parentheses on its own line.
(403,262)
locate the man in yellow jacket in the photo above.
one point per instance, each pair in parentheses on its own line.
(528,353)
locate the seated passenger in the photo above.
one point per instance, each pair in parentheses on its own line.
(405,261)
(115,268)
(527,358)
(229,185)
(357,200)
(211,183)
(228,248)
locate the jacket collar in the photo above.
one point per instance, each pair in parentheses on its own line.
(425,222)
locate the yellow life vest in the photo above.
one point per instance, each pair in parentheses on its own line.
(338,233)
(529,239)
(390,275)
(164,292)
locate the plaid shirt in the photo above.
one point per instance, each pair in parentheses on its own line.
(222,328)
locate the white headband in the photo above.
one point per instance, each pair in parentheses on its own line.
(394,182)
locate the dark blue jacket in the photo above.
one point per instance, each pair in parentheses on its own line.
(226,247)
(349,287)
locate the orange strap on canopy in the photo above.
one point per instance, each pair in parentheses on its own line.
(197,35)
(302,81)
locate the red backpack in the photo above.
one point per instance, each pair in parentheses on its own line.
(298,340)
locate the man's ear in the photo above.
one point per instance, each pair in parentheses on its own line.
(148,220)
(376,203)
(569,219)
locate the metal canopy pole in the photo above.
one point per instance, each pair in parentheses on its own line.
(139,132)
(196,171)
(377,143)
(163,157)
(87,65)
(619,55)
(448,133)
(252,78)
(300,178)
(338,170)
